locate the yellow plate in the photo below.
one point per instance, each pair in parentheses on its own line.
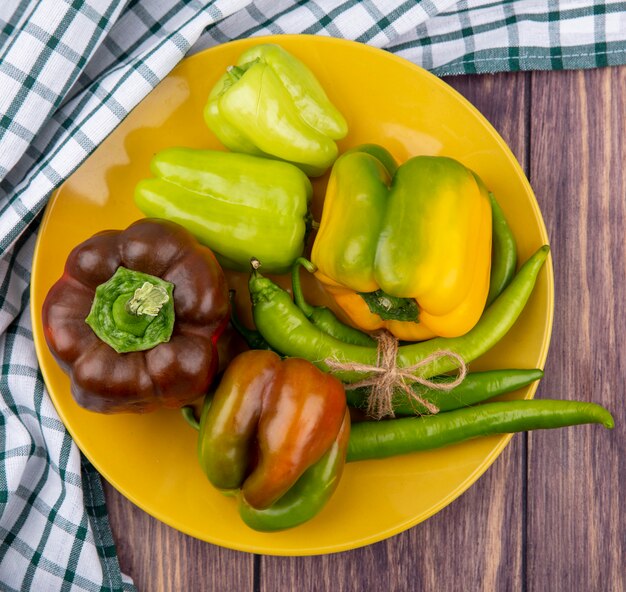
(151,459)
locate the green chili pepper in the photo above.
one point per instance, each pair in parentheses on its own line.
(504,252)
(132,311)
(381,439)
(286,328)
(321,316)
(475,388)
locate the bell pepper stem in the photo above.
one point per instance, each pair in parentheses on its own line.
(134,314)
(235,73)
(147,300)
(132,311)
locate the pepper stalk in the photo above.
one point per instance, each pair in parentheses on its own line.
(132,311)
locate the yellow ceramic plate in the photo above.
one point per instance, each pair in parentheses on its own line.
(151,459)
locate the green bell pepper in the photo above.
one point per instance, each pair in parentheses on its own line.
(271,104)
(238,205)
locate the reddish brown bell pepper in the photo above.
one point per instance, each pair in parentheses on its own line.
(269,421)
(135,317)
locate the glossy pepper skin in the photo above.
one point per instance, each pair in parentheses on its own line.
(170,374)
(236,204)
(271,104)
(420,232)
(308,495)
(382,439)
(269,422)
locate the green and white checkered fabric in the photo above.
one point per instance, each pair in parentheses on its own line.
(70,71)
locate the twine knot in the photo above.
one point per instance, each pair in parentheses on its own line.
(386,377)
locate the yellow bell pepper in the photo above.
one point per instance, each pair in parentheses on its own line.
(405,248)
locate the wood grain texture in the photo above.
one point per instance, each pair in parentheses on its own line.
(475,543)
(577,477)
(162,559)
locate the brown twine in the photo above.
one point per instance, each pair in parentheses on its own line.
(386,377)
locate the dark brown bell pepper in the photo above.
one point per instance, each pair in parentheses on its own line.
(135,350)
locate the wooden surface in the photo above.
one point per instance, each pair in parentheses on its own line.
(550,514)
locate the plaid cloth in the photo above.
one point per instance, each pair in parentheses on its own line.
(70,71)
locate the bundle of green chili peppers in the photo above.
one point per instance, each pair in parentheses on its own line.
(294,328)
